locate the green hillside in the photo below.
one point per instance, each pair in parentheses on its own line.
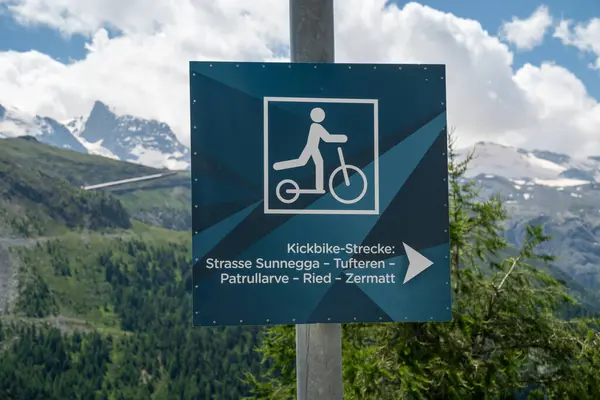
(76,168)
(102,302)
(40,182)
(36,201)
(95,303)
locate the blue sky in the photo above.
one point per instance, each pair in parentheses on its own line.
(14,36)
(491,14)
(538,107)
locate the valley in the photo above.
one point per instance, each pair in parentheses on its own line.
(96,283)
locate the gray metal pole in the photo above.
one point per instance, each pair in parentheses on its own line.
(318,346)
(311,31)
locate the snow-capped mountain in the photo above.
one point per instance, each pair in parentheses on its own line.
(128,138)
(556,191)
(537,166)
(104,133)
(14,122)
(536,183)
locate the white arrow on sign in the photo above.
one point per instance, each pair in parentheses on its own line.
(417,263)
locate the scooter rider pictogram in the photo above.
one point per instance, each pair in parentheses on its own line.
(311,150)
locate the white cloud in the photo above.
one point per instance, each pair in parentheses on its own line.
(567,117)
(584,36)
(145,71)
(528,33)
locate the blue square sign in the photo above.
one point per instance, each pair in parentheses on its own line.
(319,193)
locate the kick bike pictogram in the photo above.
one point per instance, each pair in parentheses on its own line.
(311,150)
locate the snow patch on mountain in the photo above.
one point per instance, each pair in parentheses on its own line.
(149,156)
(560,182)
(96,148)
(533,167)
(541,164)
(75,125)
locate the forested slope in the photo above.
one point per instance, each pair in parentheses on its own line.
(137,342)
(102,308)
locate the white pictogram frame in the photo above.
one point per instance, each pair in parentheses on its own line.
(267,163)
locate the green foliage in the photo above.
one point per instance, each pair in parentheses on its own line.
(41,363)
(35,297)
(143,285)
(506,340)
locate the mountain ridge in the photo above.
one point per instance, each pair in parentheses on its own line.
(103,132)
(558,192)
(534,184)
(542,166)
(152,143)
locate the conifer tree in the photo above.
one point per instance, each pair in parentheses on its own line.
(508,337)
